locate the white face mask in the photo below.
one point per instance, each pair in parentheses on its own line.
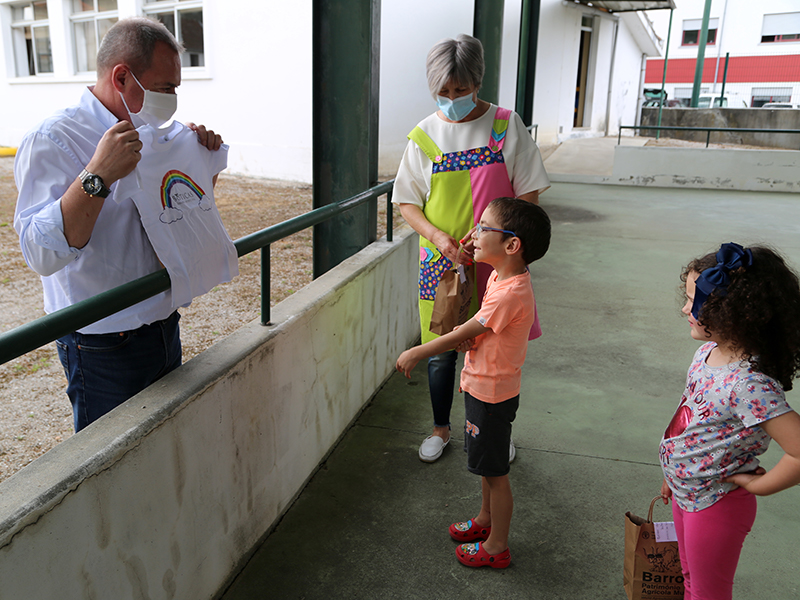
(156,110)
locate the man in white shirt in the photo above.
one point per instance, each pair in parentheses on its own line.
(81,239)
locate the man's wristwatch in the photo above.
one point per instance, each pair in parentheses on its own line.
(93,184)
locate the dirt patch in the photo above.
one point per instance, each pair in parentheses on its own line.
(37,414)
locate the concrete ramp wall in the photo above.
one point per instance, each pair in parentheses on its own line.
(711,168)
(739,118)
(166,496)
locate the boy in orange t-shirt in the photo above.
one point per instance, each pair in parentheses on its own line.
(511,234)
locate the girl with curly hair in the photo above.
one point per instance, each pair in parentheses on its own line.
(745,304)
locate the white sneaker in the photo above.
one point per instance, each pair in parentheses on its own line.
(512,452)
(431,449)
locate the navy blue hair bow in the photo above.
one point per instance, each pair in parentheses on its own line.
(730,256)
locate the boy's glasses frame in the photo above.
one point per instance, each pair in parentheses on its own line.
(480,229)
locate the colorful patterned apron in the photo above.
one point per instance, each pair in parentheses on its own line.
(462,185)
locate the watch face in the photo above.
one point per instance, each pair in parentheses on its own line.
(93,185)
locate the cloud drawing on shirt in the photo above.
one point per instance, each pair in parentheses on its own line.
(204,203)
(170,215)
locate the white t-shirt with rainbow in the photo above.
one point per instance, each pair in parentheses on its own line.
(172,188)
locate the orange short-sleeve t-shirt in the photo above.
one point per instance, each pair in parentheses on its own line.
(493,368)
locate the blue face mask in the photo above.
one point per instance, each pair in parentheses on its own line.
(457,109)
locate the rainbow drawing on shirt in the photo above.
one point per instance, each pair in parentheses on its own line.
(172,178)
(178,189)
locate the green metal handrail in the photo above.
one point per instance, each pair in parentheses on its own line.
(33,335)
(707,129)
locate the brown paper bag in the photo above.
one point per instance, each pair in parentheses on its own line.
(652,570)
(452,300)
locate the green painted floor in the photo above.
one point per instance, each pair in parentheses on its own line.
(599,388)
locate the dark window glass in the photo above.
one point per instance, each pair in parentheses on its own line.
(691,37)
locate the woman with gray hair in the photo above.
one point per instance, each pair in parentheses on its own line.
(457,160)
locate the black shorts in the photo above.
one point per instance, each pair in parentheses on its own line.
(487,435)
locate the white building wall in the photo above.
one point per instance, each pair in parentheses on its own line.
(258,94)
(256,87)
(603,48)
(625,90)
(556,71)
(739,26)
(739,33)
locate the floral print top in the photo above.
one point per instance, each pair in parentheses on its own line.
(715,431)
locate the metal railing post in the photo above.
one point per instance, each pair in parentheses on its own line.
(389,217)
(724,79)
(265,285)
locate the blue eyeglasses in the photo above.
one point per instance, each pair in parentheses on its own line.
(480,229)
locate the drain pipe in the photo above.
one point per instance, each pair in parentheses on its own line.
(720,32)
(611,74)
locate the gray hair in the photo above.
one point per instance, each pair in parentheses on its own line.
(131,41)
(459,60)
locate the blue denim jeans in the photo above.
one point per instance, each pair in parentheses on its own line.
(105,370)
(441,381)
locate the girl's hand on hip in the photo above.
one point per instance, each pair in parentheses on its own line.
(744,479)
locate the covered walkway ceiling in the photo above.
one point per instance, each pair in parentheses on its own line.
(614,6)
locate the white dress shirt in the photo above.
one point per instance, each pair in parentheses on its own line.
(48,160)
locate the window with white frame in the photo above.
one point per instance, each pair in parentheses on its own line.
(184,18)
(90,19)
(784,27)
(30,35)
(692,29)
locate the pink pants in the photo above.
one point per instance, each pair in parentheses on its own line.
(710,541)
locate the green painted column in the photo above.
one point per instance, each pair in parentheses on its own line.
(701,55)
(664,76)
(346,43)
(526,59)
(488,28)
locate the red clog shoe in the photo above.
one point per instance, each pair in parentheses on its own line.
(469,531)
(473,555)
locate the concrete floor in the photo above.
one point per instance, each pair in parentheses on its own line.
(599,388)
(586,156)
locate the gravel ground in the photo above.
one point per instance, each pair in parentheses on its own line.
(37,413)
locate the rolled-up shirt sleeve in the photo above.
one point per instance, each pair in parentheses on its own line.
(410,185)
(43,170)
